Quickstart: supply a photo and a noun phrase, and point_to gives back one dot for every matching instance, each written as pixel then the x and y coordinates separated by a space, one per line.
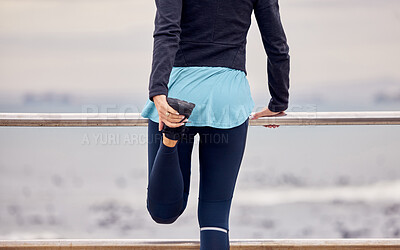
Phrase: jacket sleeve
pixel 275 45
pixel 166 43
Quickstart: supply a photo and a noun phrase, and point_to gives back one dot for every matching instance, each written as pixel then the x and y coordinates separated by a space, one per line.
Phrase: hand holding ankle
pixel 173 119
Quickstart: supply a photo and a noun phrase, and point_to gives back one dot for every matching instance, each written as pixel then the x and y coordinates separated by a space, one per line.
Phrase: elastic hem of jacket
pixel 277 108
pixel 154 93
pixel 179 64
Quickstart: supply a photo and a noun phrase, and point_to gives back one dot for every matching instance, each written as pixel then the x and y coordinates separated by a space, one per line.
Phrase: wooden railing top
pixel 276 244
pixel 135 119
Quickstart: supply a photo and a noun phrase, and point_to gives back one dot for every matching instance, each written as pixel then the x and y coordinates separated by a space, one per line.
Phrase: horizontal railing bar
pixel 134 119
pixel 276 244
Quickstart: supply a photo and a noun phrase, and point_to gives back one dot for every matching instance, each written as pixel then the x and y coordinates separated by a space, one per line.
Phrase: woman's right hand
pixel 265 112
pixel 173 119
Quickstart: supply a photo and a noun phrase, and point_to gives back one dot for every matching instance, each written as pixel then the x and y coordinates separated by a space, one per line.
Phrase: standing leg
pixel 185 148
pixel 220 153
pixel 167 179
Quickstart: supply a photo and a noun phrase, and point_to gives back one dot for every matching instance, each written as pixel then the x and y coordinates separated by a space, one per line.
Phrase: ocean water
pixel 294 182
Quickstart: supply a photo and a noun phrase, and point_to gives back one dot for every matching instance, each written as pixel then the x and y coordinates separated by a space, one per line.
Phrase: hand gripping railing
pixel 134 119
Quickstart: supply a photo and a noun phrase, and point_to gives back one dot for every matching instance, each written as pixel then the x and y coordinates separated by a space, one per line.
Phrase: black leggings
pixel 220 155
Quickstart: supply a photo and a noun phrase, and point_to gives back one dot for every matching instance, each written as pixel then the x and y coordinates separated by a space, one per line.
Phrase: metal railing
pixel 134 119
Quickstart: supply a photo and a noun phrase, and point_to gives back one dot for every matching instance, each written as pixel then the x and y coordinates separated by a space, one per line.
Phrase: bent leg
pixel 220 152
pixel 166 198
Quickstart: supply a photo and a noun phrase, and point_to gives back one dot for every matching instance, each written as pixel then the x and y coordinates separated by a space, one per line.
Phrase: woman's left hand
pixel 267 113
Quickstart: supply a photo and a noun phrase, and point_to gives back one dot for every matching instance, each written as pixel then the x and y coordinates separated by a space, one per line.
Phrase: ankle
pixel 168 142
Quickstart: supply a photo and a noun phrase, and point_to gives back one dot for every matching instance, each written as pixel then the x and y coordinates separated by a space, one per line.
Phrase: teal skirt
pixel 222 96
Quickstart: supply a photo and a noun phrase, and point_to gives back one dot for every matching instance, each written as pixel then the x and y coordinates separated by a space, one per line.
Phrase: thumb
pixel 160 126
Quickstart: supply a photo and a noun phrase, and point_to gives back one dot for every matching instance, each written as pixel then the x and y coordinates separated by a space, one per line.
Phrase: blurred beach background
pixel 295 181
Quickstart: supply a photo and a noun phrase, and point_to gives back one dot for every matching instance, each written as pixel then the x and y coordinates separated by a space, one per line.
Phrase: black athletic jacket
pixel 213 33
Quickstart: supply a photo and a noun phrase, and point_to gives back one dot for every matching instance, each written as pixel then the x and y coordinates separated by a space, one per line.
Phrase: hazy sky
pixel 104 47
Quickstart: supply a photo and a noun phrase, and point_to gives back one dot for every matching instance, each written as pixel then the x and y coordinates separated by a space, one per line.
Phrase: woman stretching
pixel 198 85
